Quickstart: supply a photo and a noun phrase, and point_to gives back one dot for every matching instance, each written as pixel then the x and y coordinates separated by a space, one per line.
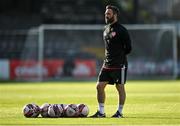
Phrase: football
pixel 31 110
pixel 44 109
pixel 55 110
pixel 63 107
pixel 71 110
pixel 83 110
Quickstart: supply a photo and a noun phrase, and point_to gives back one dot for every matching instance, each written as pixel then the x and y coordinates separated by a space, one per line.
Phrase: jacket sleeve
pixel 127 42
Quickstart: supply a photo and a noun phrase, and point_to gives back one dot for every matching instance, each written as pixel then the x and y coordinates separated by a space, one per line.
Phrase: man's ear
pixel 116 15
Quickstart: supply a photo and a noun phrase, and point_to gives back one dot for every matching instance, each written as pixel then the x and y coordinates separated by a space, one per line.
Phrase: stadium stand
pixel 12 44
pixel 16 22
pixel 70 11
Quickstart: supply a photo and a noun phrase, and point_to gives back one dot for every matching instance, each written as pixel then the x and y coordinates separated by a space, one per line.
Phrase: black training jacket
pixel 117 45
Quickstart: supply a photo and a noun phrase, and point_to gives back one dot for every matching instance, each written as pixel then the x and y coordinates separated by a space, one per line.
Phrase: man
pixel 114 69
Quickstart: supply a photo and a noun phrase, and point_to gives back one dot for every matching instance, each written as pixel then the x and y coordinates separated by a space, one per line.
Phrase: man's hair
pixel 114 9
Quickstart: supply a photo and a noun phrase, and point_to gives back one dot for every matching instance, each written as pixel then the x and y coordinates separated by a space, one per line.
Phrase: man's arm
pixel 127 42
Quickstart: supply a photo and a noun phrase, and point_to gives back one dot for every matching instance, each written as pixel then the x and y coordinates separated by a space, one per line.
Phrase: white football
pixel 55 110
pixel 44 109
pixel 63 107
pixel 83 110
pixel 31 110
pixel 71 110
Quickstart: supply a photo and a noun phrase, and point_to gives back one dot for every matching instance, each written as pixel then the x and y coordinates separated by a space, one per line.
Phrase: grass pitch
pixel 148 103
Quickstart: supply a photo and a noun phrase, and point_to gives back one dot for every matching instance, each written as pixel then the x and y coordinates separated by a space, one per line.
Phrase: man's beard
pixel 109 21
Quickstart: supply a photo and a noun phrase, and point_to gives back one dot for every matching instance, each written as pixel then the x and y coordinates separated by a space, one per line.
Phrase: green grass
pixel 148 102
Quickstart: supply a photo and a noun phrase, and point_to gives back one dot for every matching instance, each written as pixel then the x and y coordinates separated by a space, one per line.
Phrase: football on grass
pixel 63 107
pixel 31 110
pixel 44 109
pixel 55 110
pixel 71 110
pixel 83 110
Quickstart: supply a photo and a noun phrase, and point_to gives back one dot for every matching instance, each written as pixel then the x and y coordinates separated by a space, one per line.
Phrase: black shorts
pixel 113 76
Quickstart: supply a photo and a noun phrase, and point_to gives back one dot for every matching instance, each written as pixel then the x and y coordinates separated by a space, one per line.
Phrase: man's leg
pixel 101 95
pixel 122 96
pixel 101 100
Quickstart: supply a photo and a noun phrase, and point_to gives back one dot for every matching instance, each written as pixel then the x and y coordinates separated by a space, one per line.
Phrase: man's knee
pixel 120 87
pixel 100 86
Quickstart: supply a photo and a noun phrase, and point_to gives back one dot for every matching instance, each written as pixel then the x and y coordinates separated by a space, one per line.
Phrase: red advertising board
pixel 85 68
pixel 31 69
pixel 50 68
